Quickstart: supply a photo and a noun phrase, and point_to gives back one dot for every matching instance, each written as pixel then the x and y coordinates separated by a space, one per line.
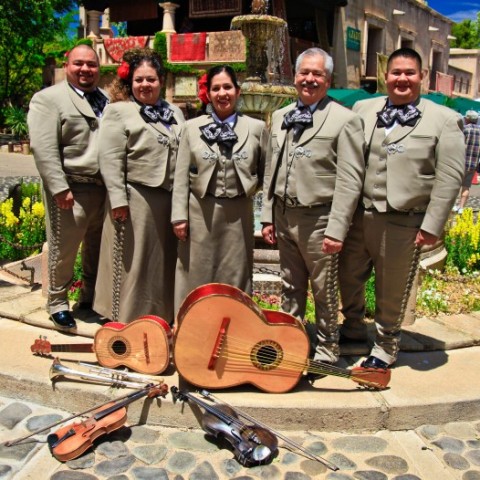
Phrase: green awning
pixel 348 96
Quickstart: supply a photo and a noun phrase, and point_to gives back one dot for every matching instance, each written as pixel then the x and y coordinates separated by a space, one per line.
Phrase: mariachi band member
pixel 138 146
pixel 220 166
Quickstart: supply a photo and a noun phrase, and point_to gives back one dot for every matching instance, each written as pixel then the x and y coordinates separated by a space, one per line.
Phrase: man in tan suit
pixel 63 122
pixel 415 164
pixel 313 180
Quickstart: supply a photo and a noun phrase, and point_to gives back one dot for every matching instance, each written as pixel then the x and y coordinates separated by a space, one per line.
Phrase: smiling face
pixel 82 69
pixel 403 80
pixel 311 79
pixel 146 84
pixel 223 94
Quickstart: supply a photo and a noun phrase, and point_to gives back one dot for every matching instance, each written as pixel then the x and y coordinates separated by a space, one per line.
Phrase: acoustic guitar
pixel 142 345
pixel 224 339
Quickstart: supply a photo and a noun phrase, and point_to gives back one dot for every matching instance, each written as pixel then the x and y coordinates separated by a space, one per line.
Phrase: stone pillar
pixel 82 16
pixel 169 17
pixel 94 23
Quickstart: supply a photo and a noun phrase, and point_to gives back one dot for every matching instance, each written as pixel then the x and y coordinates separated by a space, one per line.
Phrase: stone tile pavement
pixel 140 451
pixel 426 426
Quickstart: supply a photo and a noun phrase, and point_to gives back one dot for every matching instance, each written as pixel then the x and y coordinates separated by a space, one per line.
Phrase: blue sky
pixel 456 10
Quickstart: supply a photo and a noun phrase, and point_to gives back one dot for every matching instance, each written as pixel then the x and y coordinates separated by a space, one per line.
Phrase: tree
pixel 25 28
pixel 466 33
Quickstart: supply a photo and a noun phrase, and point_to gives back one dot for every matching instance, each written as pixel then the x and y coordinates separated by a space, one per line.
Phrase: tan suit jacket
pixel 331 168
pixel 63 136
pixel 425 163
pixel 197 159
pixel 132 150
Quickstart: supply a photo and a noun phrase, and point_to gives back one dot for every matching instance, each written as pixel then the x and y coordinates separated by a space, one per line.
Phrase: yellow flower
pixel 38 209
pixel 10 220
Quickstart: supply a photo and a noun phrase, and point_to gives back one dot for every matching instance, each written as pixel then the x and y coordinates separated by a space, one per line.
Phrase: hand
pixel 425 238
pixel 120 213
pixel 330 245
pixel 181 230
pixel 268 233
pixel 64 200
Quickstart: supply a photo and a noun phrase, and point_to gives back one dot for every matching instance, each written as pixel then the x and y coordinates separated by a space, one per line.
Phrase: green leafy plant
pixel 16 119
pixel 76 287
pixel 273 302
pixel 370 296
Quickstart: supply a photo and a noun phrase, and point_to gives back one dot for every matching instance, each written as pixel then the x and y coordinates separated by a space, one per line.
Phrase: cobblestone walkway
pixel 141 452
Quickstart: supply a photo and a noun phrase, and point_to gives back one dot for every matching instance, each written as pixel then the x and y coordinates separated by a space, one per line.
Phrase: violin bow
pixel 11 443
pixel 206 394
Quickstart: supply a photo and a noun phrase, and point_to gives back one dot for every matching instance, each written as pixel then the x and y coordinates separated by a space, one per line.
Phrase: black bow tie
pixel 300 118
pixel 97 101
pixel 219 133
pixel 403 114
pixel 158 113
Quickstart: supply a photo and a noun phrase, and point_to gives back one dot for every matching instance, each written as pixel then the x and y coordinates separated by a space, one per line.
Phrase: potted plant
pixel 16 120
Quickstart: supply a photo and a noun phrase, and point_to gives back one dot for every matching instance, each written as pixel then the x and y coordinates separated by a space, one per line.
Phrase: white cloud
pixel 464 15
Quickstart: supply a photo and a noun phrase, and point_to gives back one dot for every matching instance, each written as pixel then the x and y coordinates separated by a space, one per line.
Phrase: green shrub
pixel 16 119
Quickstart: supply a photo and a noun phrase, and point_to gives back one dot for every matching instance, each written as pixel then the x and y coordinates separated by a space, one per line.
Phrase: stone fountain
pixel 265 48
pixel 261 95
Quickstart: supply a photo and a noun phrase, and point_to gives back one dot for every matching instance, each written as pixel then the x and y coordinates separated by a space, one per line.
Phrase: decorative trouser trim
pixel 332 299
pixel 414 264
pixel 117 267
pixel 54 245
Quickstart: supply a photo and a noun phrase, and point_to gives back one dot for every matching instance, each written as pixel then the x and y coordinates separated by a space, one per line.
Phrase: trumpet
pixel 103 375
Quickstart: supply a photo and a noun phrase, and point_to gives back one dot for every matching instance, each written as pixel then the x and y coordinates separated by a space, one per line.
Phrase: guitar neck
pixel 73 347
pixel 367 377
pixel 326 369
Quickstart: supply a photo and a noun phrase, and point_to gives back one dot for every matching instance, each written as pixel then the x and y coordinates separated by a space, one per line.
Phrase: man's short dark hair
pixel 405 52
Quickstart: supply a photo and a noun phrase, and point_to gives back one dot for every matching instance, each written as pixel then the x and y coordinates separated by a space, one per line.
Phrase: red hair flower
pixel 123 70
pixel 203 89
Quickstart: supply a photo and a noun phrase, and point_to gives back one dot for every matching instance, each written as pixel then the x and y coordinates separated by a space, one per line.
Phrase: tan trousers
pixel 300 233
pixel 66 230
pixel 383 242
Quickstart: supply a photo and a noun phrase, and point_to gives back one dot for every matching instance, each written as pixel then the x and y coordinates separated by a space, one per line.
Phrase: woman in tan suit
pixel 220 166
pixel 138 145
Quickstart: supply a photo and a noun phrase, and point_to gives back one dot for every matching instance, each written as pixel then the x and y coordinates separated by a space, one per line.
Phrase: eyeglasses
pixel 317 74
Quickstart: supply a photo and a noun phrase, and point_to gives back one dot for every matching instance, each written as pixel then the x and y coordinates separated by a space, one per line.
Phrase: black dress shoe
pixel 374 362
pixel 85 306
pixel 63 320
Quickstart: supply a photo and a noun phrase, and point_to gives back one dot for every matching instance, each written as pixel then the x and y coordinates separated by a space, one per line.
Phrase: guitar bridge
pixel 218 343
pixel 145 347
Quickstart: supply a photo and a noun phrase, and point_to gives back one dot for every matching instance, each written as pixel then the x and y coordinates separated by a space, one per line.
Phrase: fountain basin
pixel 260 27
pixel 263 97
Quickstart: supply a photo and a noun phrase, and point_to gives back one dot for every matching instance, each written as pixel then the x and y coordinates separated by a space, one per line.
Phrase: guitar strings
pixel 288 362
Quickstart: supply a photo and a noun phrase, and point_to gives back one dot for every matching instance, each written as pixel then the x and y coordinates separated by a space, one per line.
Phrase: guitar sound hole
pixel 119 348
pixel 266 355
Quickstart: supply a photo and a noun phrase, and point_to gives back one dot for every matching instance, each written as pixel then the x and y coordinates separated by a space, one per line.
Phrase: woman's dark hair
pixel 121 89
pixel 219 69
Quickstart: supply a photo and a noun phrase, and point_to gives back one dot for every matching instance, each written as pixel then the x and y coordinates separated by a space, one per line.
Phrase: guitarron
pixel 224 339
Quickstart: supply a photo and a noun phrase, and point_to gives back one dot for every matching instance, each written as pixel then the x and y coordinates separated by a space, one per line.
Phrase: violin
pixel 72 440
pixel 252 445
